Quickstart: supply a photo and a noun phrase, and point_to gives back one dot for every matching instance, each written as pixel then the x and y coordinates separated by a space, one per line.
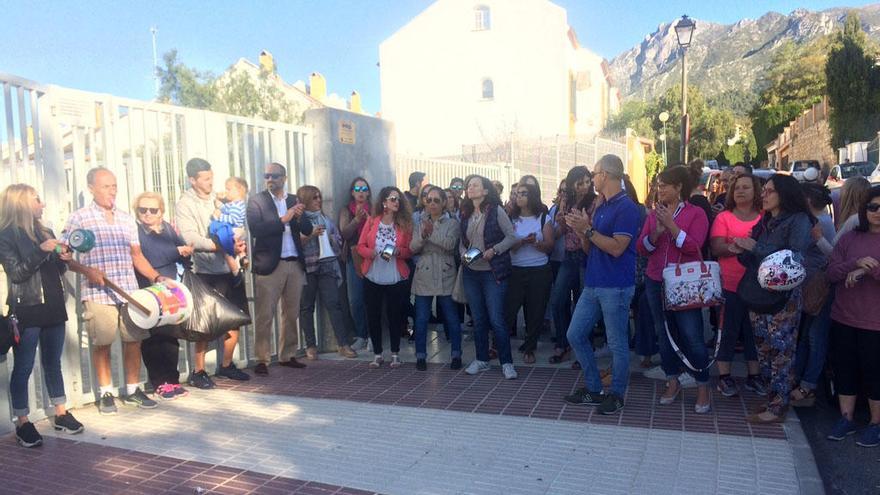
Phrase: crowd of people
pixel 580 269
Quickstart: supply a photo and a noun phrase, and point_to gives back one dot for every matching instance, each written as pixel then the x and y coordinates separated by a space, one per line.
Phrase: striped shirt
pixel 233 213
pixel 112 251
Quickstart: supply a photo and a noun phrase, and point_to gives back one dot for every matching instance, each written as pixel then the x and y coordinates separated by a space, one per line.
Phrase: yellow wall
pixel 635 164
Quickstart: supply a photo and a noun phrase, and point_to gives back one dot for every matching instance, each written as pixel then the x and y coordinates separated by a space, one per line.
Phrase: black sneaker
pixel 611 404
pixel 68 424
pixel 140 399
pixel 455 364
pixel 28 436
pixel 233 373
pixel 727 386
pixel 583 397
pixel 756 384
pixel 261 369
pixel 106 404
pixel 421 364
pixel 200 379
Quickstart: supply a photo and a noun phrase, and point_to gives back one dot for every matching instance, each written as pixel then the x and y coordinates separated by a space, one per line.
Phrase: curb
pixel 809 480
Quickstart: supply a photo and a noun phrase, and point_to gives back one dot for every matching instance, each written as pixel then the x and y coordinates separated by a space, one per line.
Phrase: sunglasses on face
pixel 151 211
pixel 360 189
pixel 393 199
pixel 317 196
pixel 434 200
pixel 456 187
pixel 873 207
pixel 273 176
pixel 522 194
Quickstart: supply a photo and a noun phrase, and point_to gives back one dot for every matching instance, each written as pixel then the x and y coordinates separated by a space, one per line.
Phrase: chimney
pixel 267 62
pixel 318 87
pixel 355 104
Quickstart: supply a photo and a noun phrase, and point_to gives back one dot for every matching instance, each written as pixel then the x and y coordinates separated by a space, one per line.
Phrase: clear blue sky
pixel 106 46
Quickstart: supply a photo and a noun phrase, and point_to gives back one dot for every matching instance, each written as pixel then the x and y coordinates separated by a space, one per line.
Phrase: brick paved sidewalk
pixel 397 432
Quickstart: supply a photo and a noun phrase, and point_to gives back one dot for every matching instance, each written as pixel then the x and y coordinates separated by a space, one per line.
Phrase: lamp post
pixel 684 31
pixel 664 116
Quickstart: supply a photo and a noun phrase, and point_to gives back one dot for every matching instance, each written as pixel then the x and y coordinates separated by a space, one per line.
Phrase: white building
pixel 476 71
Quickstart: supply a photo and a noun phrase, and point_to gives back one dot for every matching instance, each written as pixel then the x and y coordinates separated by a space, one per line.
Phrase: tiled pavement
pixel 537 393
pixel 338 424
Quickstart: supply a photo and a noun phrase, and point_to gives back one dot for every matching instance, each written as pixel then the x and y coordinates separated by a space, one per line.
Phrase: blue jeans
pixel 485 296
pixel 568 281
pixel 809 358
pixel 355 287
pixel 51 340
pixel 645 340
pixel 446 307
pixel 612 305
pixel 686 327
pixel 736 325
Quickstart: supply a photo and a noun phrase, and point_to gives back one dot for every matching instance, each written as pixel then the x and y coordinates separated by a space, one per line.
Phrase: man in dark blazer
pixel 275 221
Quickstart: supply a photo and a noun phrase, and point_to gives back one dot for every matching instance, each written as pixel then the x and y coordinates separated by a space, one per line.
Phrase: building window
pixel 482 21
pixel 488 89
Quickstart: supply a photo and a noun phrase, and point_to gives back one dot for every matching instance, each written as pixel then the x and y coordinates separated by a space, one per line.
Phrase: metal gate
pixel 51 136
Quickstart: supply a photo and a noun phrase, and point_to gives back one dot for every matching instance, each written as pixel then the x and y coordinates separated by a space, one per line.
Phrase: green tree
pixel 710 127
pixel 636 115
pixel 653 164
pixel 234 92
pixel 852 86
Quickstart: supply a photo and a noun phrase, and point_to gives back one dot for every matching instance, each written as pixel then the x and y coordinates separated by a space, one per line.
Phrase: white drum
pixel 169 302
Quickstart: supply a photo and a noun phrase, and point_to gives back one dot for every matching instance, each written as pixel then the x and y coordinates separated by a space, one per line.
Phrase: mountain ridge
pixel 726 57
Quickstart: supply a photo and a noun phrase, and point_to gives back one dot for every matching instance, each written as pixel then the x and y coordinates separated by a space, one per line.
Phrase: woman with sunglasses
pixel 434 241
pixel 855 314
pixel 674 232
pixel 486 227
pixel 531 275
pixel 323 272
pixel 34 261
pixel 786 224
pixel 578 195
pixel 384 245
pixel 164 249
pixel 351 221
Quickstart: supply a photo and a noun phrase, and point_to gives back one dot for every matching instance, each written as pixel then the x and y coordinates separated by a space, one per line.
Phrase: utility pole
pixel 155 71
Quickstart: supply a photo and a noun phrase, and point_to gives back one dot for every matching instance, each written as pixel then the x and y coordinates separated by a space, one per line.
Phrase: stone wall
pixel 813 143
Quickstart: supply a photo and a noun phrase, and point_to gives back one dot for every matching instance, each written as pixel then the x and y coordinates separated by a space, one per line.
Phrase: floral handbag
pixel 696 284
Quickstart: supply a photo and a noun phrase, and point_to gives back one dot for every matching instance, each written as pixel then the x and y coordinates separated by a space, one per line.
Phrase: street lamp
pixel 684 31
pixel 664 116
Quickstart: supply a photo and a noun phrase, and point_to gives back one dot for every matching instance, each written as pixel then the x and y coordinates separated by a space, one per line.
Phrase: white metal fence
pixel 51 136
pixel 440 172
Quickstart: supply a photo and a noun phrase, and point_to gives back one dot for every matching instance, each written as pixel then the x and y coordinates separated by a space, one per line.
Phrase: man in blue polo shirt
pixel 609 282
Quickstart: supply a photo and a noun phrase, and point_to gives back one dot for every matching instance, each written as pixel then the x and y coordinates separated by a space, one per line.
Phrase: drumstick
pixel 140 307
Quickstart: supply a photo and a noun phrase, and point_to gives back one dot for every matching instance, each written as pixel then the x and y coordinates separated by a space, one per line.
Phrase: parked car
pixel 763 173
pixel 798 167
pixel 840 172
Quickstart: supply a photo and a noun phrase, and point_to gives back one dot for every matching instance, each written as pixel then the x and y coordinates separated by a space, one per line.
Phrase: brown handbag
pixel 816 291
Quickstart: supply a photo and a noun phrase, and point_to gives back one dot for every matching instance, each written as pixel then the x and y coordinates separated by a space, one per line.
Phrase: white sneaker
pixel 687 380
pixel 359 344
pixel 377 361
pixel 509 371
pixel 655 373
pixel 477 366
pixel 395 361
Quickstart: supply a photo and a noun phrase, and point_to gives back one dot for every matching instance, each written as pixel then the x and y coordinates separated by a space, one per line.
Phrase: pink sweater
pixel 857 306
pixel 694 228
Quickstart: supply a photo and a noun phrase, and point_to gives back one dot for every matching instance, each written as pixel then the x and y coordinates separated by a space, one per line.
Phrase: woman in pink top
pixel 674 233
pixel 741 212
pixel 855 314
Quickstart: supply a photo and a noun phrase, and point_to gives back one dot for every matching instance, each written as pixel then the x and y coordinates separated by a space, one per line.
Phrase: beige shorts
pixel 103 322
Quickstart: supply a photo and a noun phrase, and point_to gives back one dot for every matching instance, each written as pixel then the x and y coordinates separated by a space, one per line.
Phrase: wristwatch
pixel 589 233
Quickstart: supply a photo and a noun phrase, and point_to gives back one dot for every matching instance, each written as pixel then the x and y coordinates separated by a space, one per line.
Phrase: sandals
pixel 765 418
pixel 560 356
pixel 801 397
pixel 666 400
pixel 529 357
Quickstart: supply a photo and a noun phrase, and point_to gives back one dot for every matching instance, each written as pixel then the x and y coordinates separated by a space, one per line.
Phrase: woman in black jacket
pixel 164 249
pixel 34 261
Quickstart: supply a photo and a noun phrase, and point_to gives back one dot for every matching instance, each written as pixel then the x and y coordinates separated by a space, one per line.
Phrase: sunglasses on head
pixel 270 176
pixel 873 207
pixel 393 199
pixel 360 189
pixel 434 200
pixel 144 211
